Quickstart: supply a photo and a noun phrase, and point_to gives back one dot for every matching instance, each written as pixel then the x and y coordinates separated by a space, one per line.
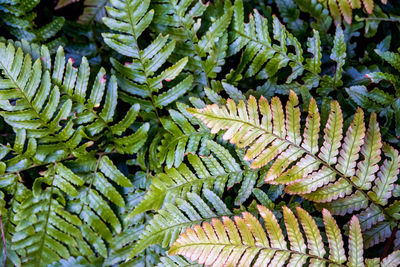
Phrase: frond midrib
pixel 185 225
pixel 39 253
pixel 141 62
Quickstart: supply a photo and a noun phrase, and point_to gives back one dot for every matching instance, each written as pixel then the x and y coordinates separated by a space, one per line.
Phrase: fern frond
pixel 142 77
pixel 206 50
pixel 57 233
pixel 336 180
pixel 265 55
pixel 213 172
pixel 93 202
pixel 173 219
pixel 89 203
pixel 345 8
pixel 243 241
pixel 30 86
pixel 379 99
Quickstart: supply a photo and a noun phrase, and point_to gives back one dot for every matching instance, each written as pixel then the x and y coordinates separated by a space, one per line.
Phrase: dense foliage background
pixel 106 155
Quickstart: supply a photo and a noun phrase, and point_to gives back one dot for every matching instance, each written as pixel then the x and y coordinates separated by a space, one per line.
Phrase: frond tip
pixel 243 241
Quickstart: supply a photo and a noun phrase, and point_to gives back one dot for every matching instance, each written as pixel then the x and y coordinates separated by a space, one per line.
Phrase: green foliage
pixel 56 121
pixel 17 15
pixel 152 133
pixel 137 78
pixel 378 100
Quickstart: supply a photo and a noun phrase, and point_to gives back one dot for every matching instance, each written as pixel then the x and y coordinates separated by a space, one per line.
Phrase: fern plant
pixel 243 241
pixel 140 142
pixel 344 182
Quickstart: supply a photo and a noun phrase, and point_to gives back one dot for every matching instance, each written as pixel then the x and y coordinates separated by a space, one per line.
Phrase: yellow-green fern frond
pixel 244 242
pixel 342 174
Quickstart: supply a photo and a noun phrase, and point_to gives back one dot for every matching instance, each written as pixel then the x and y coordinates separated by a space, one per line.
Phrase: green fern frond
pixel 93 203
pixel 265 55
pixel 342 182
pixel 25 89
pixel 85 218
pixel 142 77
pixel 37 101
pixel 173 219
pixel 56 230
pixel 206 50
pixel 243 241
pixel 213 172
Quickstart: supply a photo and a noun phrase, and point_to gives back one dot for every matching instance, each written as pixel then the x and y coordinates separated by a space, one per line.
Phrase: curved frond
pixel 338 181
pixel 54 106
pixel 243 241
